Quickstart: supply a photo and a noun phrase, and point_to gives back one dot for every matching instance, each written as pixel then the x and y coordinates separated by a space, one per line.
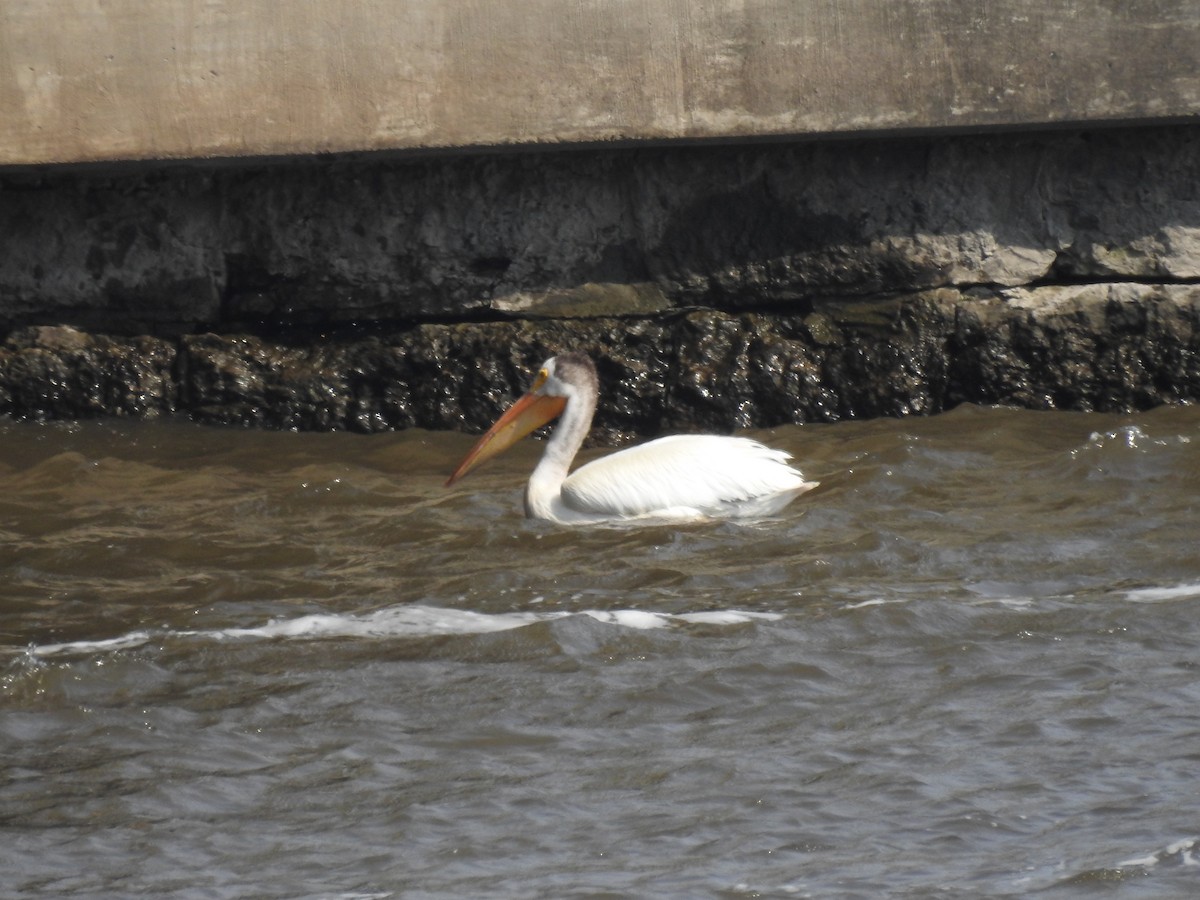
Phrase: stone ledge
pixel 330 244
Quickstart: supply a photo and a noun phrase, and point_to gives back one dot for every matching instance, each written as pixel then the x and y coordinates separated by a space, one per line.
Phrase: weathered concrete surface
pixel 1109 347
pixel 619 232
pixel 153 79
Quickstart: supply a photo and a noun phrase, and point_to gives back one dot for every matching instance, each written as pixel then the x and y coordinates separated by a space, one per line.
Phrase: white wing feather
pixel 706 474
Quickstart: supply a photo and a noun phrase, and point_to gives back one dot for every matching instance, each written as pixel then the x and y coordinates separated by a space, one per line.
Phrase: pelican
pixel 684 476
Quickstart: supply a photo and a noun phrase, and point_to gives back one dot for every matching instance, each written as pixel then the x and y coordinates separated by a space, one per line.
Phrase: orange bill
pixel 530 412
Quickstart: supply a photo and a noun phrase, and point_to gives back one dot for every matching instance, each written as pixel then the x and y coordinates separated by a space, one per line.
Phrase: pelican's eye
pixel 540 379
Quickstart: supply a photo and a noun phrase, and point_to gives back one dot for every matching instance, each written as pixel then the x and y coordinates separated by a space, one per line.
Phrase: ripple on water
pixel 237 663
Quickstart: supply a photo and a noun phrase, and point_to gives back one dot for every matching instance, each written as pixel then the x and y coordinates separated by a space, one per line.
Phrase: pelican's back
pixel 706 474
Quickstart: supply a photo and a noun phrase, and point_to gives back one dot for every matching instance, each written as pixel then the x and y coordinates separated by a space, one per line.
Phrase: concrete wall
pixel 326 243
pixel 88 80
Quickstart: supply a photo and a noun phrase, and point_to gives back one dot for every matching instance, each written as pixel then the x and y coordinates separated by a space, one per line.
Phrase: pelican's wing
pixel 705 474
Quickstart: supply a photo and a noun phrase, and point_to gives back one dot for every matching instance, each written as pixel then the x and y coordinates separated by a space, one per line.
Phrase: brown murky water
pixel 245 664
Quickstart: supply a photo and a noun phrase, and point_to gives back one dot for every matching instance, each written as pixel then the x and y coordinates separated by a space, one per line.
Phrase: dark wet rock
pixel 63 373
pixel 247 381
pixel 1106 347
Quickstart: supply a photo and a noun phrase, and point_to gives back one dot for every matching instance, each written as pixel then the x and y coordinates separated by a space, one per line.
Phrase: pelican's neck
pixel 545 484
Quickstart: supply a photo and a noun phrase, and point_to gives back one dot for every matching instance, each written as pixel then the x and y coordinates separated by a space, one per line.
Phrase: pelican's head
pixel 568 375
pixel 560 380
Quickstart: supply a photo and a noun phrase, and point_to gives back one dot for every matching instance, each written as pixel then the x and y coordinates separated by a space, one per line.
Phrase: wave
pixel 1163 594
pixel 414 621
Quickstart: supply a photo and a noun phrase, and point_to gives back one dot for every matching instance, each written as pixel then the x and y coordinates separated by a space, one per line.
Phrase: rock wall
pixel 721 286
pixel 1104 347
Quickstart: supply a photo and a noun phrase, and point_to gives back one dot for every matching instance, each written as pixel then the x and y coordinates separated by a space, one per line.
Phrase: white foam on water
pixel 1019 604
pixel 1163 594
pixel 1141 861
pixel 1131 436
pixel 727 617
pixel 1182 852
pixel 636 618
pixel 629 618
pixel 396 621
pixel 124 642
pixel 403 622
pixel 878 601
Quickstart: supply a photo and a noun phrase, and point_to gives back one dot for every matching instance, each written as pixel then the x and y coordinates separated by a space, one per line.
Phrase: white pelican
pixel 679 477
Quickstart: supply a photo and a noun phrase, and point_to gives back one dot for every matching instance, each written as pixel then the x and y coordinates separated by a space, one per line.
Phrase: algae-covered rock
pixel 1086 347
pixel 1102 346
pixel 63 373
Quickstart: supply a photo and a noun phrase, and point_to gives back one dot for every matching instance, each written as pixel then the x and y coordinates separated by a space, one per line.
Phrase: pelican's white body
pixel 680 477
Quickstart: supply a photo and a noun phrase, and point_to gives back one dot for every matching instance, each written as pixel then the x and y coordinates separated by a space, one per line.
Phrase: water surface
pixel 249 664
